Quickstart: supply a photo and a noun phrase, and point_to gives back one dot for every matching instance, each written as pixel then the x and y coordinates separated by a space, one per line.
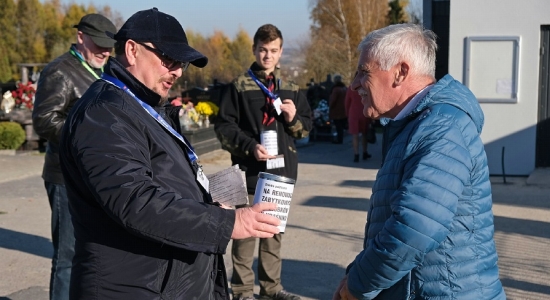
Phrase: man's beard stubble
pixel 163 100
pixel 92 63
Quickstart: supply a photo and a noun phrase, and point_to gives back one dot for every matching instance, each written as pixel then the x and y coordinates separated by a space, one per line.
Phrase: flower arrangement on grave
pixel 206 108
pixel 24 95
pixel 8 103
pixel 196 115
pixel 193 115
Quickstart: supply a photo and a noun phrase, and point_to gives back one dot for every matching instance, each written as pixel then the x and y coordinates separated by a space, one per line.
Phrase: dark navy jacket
pixel 144 228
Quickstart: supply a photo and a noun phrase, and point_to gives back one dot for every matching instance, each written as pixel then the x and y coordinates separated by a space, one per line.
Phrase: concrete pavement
pixel 323 235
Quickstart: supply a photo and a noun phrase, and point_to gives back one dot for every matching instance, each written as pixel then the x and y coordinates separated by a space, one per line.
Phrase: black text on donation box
pixel 275 189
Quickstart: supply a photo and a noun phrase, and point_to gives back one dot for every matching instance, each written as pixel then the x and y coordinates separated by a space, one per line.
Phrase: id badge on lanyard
pixel 203 180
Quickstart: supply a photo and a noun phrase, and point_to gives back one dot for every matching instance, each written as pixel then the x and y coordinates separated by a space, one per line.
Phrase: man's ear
pixel 80 37
pixel 130 49
pixel 401 73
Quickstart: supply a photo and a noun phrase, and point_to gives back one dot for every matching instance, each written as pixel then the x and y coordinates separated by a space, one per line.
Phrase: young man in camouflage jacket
pixel 256 102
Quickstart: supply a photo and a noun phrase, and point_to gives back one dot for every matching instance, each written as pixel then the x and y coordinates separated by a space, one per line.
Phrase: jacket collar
pixel 448 91
pixel 117 70
pixel 260 73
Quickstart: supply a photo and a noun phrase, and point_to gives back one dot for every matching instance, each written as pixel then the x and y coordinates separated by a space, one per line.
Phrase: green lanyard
pixel 84 63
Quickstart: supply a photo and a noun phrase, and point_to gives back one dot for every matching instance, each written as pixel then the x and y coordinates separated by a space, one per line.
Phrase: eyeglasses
pixel 166 60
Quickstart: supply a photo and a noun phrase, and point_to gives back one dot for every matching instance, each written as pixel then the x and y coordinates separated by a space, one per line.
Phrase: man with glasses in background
pixel 145 224
pixel 62 83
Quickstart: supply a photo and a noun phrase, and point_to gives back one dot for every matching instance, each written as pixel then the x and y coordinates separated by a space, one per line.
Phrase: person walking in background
pixel 145 223
pixel 248 110
pixel 337 108
pixel 314 93
pixel 429 233
pixel 61 84
pixel 358 124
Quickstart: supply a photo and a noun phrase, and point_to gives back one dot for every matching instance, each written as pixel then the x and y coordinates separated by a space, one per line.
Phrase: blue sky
pixel 206 16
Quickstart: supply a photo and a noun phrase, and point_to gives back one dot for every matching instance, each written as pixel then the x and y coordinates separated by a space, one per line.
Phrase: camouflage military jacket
pixel 239 123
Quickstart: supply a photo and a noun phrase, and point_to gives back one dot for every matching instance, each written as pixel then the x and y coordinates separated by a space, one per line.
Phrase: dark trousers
pixel 340 124
pixel 62 240
pixel 269 265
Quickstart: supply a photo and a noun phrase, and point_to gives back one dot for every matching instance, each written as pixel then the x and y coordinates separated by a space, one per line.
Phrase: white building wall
pixel 509 125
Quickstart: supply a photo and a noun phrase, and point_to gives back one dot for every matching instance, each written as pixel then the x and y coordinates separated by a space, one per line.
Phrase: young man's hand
pixel 260 153
pixel 289 110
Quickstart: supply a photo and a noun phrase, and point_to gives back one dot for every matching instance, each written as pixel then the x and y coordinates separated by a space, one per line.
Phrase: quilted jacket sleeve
pixel 437 166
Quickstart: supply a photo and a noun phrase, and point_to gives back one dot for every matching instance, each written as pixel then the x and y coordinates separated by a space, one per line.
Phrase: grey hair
pixel 402 42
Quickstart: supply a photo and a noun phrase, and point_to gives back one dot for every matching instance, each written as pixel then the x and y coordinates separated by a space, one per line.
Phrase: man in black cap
pixel 145 223
pixel 61 84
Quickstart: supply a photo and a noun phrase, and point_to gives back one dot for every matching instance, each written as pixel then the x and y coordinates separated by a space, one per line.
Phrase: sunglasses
pixel 166 60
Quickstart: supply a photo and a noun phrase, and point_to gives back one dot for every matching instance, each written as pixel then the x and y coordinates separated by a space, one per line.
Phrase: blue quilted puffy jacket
pixel 429 233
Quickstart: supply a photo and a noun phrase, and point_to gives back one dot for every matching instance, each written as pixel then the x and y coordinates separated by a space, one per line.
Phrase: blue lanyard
pixel 262 86
pixel 188 148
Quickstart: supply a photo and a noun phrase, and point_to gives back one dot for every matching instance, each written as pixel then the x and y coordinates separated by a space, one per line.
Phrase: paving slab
pixel 324 232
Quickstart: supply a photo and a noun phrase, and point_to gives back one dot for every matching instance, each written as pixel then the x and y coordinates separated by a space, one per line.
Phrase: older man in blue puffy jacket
pixel 429 233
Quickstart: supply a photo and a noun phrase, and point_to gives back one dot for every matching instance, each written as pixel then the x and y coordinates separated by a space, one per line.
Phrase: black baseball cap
pixel 163 31
pixel 95 26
